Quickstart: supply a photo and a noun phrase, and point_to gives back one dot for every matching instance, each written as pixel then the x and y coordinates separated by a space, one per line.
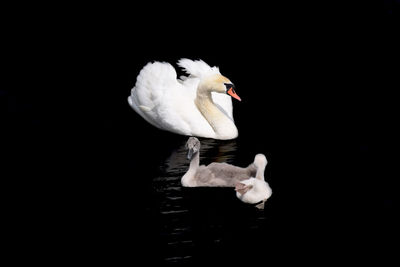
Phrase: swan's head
pixel 193 146
pixel 210 77
pixel 253 191
pixel 220 84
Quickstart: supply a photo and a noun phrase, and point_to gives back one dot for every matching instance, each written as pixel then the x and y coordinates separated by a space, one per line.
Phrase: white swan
pixel 215 174
pixel 197 105
pixel 255 190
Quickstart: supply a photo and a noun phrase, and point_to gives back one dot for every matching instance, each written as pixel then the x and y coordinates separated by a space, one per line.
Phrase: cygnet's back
pixel 223 174
pixel 226 174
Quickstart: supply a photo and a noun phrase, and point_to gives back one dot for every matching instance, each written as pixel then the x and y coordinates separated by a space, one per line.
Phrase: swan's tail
pixel 140 109
pixel 151 84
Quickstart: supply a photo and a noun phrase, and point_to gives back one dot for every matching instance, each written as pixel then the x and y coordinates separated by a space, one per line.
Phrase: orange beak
pixel 233 94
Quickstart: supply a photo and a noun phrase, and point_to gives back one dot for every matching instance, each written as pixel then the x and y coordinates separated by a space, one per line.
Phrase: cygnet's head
pixel 220 84
pixel 193 146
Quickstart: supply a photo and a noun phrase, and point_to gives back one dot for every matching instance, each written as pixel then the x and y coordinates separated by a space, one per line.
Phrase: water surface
pixel 199 223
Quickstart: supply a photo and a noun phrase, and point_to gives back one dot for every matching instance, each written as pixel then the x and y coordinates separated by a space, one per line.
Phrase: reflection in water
pixel 181 214
pixel 211 151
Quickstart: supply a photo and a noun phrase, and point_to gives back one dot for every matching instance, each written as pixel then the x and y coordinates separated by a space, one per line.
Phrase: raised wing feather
pixel 167 103
pixel 197 68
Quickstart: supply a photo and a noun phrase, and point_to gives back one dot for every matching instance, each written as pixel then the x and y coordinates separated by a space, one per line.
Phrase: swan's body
pixel 215 174
pixel 196 105
pixel 255 190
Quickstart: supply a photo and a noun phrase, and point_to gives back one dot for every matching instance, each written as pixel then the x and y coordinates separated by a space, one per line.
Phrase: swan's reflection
pixel 211 151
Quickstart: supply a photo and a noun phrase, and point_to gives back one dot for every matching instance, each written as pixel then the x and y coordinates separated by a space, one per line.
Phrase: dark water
pixel 194 221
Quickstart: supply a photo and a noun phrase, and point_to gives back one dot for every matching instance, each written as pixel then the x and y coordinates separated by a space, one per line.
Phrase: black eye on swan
pixel 229 86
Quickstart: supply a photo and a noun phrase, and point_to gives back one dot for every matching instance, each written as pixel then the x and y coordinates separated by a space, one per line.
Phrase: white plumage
pixel 197 68
pixel 254 190
pixel 169 104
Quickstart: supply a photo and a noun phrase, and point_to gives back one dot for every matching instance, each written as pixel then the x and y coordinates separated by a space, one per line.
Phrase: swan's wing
pixel 165 102
pixel 197 68
pixel 149 90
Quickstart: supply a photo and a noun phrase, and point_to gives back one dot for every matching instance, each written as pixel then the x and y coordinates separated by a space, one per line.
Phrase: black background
pixel 309 77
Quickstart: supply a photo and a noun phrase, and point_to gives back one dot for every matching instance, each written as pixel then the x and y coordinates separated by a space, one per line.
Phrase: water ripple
pixel 173 212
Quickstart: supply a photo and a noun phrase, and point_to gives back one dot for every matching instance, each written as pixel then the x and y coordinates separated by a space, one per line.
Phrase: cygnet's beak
pixel 190 154
pixel 231 91
pixel 242 188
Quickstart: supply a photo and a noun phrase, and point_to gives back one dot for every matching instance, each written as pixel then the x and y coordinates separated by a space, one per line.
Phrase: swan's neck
pixel 222 125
